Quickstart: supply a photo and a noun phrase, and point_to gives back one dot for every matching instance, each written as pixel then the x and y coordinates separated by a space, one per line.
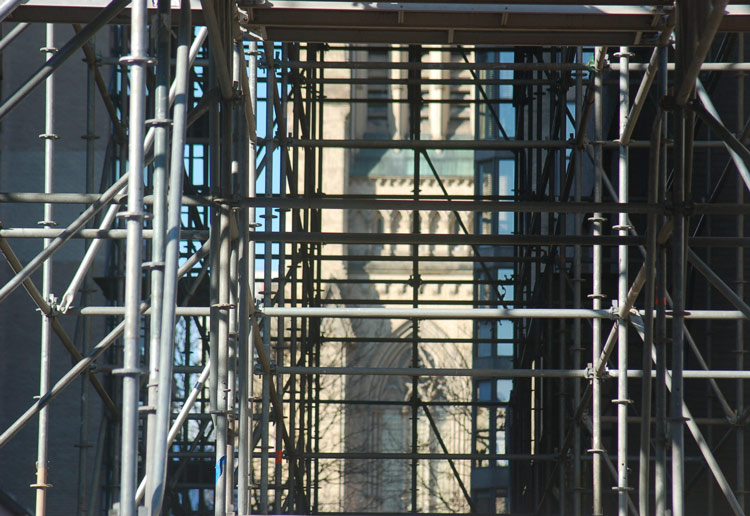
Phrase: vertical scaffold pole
pixel 415 120
pixel 683 57
pixel 85 334
pixel 622 294
pixel 158 470
pixel 267 271
pixel 226 462
pixel 596 297
pixel 41 485
pixel 660 328
pixel 577 342
pixel 214 164
pixel 740 436
pixel 132 331
pixel 247 279
pixel 159 213
pixel 281 266
pixel 224 442
pixel 646 384
pixel 563 340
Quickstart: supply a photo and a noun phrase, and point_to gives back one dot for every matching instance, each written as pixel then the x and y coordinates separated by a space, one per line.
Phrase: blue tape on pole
pixel 220 467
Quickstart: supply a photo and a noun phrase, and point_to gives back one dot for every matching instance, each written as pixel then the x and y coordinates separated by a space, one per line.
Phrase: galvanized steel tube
pixel 49 137
pixel 12 35
pixel 622 400
pixel 679 258
pixel 247 279
pixel 158 224
pixel 577 302
pixel 596 296
pixel 660 391
pixel 267 271
pixel 132 338
pixel 646 391
pixel 163 404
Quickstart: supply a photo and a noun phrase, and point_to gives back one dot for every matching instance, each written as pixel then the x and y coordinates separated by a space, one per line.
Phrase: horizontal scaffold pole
pixel 697 374
pixel 384 238
pixel 510 145
pixel 384 203
pixel 422 313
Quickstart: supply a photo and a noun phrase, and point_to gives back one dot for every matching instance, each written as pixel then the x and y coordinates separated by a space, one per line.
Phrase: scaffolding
pixel 562 184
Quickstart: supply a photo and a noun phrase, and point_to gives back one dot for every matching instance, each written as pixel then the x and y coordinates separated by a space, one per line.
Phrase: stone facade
pixel 376 418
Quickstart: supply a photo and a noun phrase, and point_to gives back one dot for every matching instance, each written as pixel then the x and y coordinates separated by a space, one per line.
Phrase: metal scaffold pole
pixel 42 484
pixel 157 470
pixel 246 145
pixel 157 347
pixel 86 328
pixel 130 371
pixel 221 174
pixel 267 271
pixel 686 32
pixel 660 330
pixel 415 120
pixel 644 463
pixel 596 297
pixel 740 290
pixel 577 303
pixel 622 400
pixel 281 285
